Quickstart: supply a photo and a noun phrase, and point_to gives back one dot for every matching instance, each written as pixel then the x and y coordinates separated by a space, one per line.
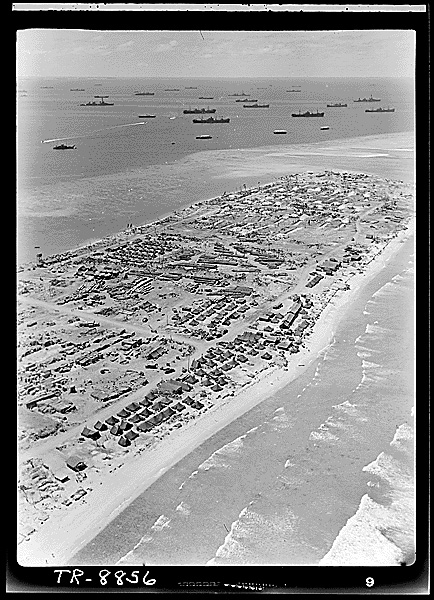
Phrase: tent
pixel 75 463
pixel 116 430
pixel 124 441
pixel 112 421
pixel 145 426
pixel 123 413
pixel 131 435
pixel 100 426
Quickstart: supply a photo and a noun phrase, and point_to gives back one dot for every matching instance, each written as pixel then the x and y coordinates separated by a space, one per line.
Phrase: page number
pixel 369 582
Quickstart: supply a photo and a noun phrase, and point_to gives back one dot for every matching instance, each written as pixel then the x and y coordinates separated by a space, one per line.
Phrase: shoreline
pixel 81 524
pixel 273 178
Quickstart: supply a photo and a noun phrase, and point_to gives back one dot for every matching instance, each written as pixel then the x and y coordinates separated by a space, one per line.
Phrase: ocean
pixel 320 473
pixel 131 170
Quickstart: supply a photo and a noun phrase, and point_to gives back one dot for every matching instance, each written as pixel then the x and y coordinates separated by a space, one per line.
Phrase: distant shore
pixel 65 533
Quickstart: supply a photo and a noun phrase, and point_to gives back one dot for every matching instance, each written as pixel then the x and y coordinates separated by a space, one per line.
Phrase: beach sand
pixel 66 532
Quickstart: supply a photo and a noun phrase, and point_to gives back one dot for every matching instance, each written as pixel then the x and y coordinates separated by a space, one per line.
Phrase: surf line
pixel 75 137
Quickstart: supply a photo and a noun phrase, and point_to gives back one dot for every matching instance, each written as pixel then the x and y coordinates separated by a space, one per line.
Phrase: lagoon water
pixel 319 473
pixel 131 170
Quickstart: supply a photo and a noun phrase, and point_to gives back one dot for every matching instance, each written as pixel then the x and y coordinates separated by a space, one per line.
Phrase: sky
pixel 91 53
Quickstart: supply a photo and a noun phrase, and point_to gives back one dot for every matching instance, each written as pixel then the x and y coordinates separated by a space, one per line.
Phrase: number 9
pixel 369 582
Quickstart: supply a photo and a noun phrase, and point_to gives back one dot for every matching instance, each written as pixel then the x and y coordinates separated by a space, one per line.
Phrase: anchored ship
pixel 206 97
pixel 64 147
pixel 211 120
pixel 198 111
pixel 204 137
pixel 308 114
pixel 147 116
pixel 100 103
pixel 370 99
pixel 337 105
pixel 242 94
pixel 256 106
pixel 379 110
pixel 144 93
pixel 280 131
pixel 245 100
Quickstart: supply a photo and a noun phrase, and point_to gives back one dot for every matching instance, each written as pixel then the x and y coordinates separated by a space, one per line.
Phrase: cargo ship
pixel 238 95
pixel 172 90
pixel 370 99
pixel 199 111
pixel 245 100
pixel 77 90
pixel 256 106
pixel 337 105
pixel 206 97
pixel 324 128
pixel 211 120
pixel 280 131
pixel 64 147
pixel 147 116
pixel 293 90
pixel 100 103
pixel 204 137
pixel 144 93
pixel 308 114
pixel 379 110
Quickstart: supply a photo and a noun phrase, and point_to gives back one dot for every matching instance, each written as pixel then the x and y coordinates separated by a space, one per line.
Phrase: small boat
pixel 147 116
pixel 204 137
pixel 64 147
pixel 326 127
pixel 280 131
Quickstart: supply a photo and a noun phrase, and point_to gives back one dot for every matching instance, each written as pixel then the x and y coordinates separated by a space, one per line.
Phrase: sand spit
pixel 65 532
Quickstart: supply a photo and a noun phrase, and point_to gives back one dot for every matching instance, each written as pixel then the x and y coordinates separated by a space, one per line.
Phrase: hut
pixel 112 421
pixel 188 400
pixel 133 407
pixel 145 413
pixel 145 402
pixel 136 418
pixel 197 405
pixel 123 441
pixel 179 407
pixel 157 406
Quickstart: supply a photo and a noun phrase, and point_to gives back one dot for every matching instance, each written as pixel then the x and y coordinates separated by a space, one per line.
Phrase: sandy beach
pixel 65 532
